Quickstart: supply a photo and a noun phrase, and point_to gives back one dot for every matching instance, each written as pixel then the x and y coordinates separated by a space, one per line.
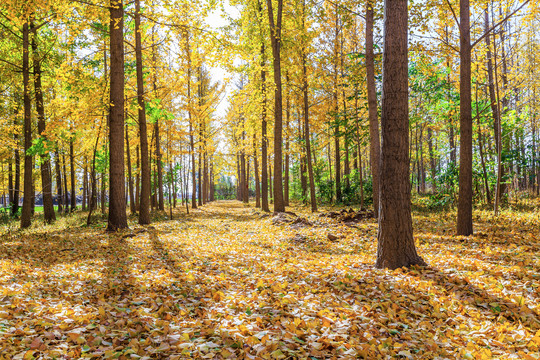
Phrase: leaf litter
pixel 225 282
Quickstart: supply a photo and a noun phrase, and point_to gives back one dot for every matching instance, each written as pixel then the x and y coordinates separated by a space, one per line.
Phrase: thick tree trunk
pixel 275 36
pixel 26 216
pixel 117 219
pixel 375 146
pixel 46 181
pixel 464 219
pixel 395 237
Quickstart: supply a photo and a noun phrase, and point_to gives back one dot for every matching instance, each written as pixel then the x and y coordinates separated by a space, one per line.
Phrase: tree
pixel 117 195
pixel 26 215
pixel 464 220
pixel 144 202
pixel 275 37
pixel 396 246
pixel 46 179
pixel 375 146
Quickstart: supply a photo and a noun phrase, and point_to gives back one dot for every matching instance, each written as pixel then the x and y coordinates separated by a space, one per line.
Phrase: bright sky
pixel 216 20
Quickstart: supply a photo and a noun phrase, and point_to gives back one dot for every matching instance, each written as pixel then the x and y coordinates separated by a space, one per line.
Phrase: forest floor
pixel 226 282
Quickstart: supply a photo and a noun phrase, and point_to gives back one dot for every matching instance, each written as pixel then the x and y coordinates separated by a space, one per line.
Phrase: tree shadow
pixel 487 304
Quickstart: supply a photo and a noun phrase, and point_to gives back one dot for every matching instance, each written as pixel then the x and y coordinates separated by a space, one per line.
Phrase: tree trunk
pixel 264 139
pixel 130 176
pixel 103 194
pixel 375 146
pixel 270 181
pixel 26 216
pixel 17 187
pixel 395 237
pixel 256 170
pixel 59 190
pixel 85 185
pixel 144 199
pixel 138 179
pixel 464 218
pixel 67 196
pixel 432 164
pixel 117 219
pixel 73 204
pixel 312 195
pixel 275 36
pixel 46 181
pixel 287 144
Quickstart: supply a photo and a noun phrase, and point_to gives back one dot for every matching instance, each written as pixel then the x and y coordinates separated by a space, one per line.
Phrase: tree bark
pixel 264 139
pixel 46 181
pixel 144 199
pixel 375 146
pixel 26 216
pixel 464 218
pixel 117 219
pixel 312 195
pixel 59 190
pixel 396 246
pixel 73 202
pixel 67 194
pixel 256 170
pixel 275 37
pixel 131 190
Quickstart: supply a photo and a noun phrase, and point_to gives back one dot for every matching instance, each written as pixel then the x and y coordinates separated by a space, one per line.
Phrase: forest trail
pixel 226 282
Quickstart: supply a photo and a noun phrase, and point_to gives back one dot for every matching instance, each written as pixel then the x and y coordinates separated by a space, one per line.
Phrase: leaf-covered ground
pixel 225 282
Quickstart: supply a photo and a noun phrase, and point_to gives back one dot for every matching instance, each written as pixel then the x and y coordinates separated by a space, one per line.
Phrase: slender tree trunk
pixel 396 246
pixel 117 219
pixel 359 151
pixel 85 185
pixel 256 170
pixel 275 36
pixel 68 195
pixel 145 190
pixel 302 161
pixel 270 181
pixel 264 139
pixel 46 181
pixel 375 146
pixel 433 168
pixel 73 203
pixel 307 135
pixel 17 187
pixel 336 110
pixel 26 216
pixel 130 176
pixel 103 195
pixel 138 179
pixel 287 143
pixel 59 190
pixel 464 220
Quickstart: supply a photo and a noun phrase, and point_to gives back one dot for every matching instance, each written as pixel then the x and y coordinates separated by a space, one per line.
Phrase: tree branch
pixel 499 24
